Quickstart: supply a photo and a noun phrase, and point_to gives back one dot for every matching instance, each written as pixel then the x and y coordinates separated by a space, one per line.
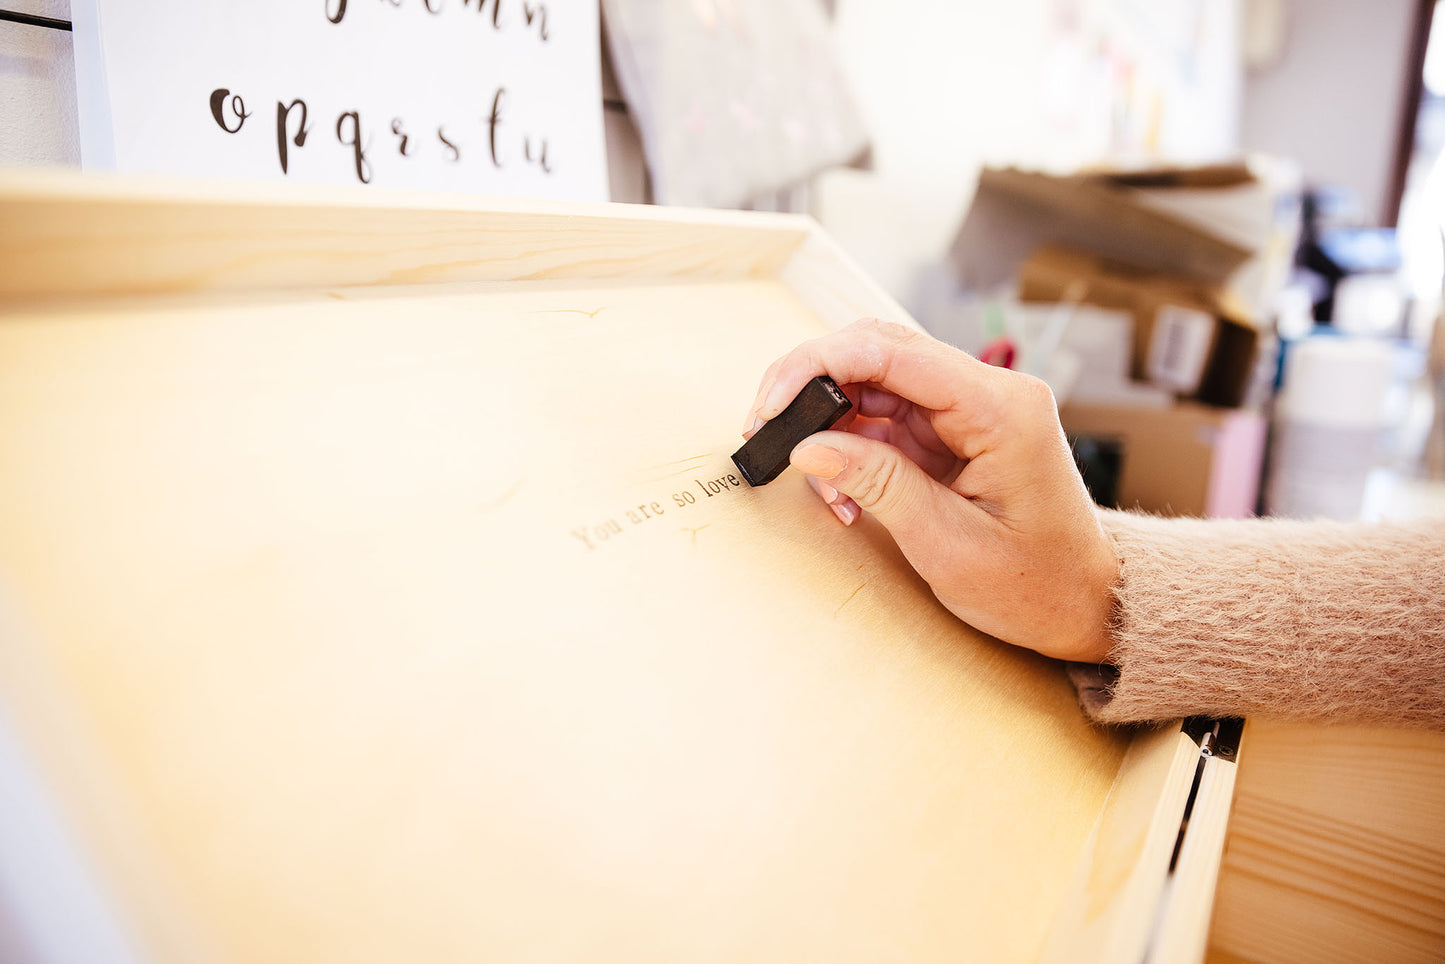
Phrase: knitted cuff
pixel 1273 617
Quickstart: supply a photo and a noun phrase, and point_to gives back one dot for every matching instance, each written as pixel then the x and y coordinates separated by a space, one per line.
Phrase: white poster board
pixel 477 96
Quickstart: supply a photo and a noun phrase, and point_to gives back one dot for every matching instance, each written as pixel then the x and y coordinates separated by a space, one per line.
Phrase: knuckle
pixel 899 334
pixel 873 343
pixel 800 362
pixel 889 330
pixel 877 480
pixel 1034 392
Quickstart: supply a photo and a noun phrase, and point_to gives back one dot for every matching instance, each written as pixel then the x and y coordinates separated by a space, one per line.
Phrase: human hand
pixel 967 467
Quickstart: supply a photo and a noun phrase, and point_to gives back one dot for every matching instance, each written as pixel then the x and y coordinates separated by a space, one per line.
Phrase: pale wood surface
pixel 1336 848
pixel 1181 934
pixel 114 236
pixel 1126 902
pixel 1120 877
pixel 826 279
pixel 298 626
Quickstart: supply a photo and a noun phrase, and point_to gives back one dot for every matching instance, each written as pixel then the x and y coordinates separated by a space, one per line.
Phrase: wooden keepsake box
pixel 375 586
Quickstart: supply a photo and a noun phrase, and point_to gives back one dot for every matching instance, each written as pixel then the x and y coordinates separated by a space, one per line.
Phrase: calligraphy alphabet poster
pixel 478 96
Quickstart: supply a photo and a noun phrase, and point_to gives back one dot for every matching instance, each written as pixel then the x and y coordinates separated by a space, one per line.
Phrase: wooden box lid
pixel 373 587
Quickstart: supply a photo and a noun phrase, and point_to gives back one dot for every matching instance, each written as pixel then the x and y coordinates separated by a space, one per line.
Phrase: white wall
pixel 945 86
pixel 941 92
pixel 949 85
pixel 37 89
pixel 1332 98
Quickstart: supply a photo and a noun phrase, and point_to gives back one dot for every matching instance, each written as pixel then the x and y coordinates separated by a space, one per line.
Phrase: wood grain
pixel 373 588
pixel 1336 849
pixel 1120 878
pixel 60 236
pixel 303 631
pixel 1181 931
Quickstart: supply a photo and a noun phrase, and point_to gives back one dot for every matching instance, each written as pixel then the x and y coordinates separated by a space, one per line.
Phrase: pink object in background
pixel 1000 353
pixel 1239 457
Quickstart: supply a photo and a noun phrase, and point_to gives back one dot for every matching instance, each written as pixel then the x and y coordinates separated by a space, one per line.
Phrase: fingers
pixel 912 436
pixel 907 363
pixel 843 507
pixel 880 479
pixel 753 422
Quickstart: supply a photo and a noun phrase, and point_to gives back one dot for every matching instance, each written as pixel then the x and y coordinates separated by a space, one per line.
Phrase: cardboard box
pixel 1188 459
pixel 1203 238
pixel 1200 225
pixel 1185 339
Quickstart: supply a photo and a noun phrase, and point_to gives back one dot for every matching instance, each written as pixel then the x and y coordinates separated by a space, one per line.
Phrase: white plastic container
pixel 1331 424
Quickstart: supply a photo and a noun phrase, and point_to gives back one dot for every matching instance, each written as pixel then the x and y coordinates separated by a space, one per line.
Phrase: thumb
pixel 881 479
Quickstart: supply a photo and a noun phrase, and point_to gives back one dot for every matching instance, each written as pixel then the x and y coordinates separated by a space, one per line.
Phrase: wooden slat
pixel 1182 932
pixel 829 282
pixel 1119 880
pixel 66 237
pixel 300 629
pixel 1336 849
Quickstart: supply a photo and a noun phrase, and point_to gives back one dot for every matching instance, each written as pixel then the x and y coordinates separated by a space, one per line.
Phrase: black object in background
pixel 31 20
pixel 1333 253
pixel 1100 461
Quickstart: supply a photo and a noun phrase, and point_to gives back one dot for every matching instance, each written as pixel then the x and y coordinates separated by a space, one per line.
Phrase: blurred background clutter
pixel 1213 226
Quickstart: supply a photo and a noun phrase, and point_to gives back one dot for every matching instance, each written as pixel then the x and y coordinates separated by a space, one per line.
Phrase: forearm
pixel 1268 617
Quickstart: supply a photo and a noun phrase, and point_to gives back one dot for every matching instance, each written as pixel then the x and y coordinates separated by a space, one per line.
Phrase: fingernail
pixel 847 513
pixel 751 424
pixel 812 458
pixel 825 491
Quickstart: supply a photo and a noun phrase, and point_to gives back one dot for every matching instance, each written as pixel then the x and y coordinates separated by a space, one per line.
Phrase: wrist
pixel 1100 604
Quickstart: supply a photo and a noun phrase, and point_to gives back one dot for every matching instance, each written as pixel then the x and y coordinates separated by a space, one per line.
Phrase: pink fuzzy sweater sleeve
pixel 1273 617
